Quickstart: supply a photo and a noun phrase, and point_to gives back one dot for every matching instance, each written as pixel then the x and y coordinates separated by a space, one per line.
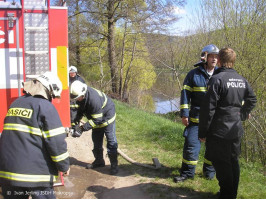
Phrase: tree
pixel 149 15
pixel 240 24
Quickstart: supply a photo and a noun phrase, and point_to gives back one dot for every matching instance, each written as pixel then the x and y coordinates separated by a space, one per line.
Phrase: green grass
pixel 143 136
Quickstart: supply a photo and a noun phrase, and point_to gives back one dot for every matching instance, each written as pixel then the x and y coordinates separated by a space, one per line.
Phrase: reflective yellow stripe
pixel 72 124
pixel 199 89
pixel 92 123
pixel 102 95
pixel 54 132
pixel 195 120
pixel 97 115
pixel 105 100
pixel 189 162
pixel 207 161
pixel 186 87
pixel 23 128
pixel 106 123
pixel 74 106
pixel 26 177
pixel 183 106
pixel 60 157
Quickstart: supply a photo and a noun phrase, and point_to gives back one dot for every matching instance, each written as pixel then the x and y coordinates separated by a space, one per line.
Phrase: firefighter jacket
pixel 229 100
pixel 73 105
pixel 98 108
pixel 32 145
pixel 194 89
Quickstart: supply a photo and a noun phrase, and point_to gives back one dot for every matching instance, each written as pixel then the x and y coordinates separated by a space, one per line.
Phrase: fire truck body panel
pixel 31 42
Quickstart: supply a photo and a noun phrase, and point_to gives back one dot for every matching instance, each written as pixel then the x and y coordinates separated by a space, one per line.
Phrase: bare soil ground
pixel 96 183
pixel 85 183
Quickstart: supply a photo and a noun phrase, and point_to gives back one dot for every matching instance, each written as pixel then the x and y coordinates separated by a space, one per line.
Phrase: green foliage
pixel 143 135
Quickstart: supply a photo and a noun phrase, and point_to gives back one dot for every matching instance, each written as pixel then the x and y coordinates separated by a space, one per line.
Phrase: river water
pixel 164 106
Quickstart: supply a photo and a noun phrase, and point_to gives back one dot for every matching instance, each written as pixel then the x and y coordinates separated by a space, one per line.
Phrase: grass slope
pixel 142 136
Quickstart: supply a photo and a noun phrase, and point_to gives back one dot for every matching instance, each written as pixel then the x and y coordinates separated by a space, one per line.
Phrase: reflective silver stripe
pixel 26 177
pixel 195 120
pixel 190 162
pixel 23 128
pixel 97 115
pixel 207 161
pixel 186 87
pixel 60 157
pixel 199 89
pixel 106 123
pixel 54 132
pixel 183 106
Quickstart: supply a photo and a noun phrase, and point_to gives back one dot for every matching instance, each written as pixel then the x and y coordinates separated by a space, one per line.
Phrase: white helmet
pixel 73 69
pixel 77 89
pixel 52 83
pixel 209 49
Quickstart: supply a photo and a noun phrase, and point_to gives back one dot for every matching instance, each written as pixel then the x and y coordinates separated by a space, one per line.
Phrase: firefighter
pixel 73 76
pixel 228 101
pixel 194 89
pixel 99 109
pixel 33 149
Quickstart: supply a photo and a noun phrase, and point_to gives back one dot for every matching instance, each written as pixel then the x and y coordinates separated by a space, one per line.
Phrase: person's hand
pixel 78 130
pixel 66 173
pixel 185 121
pixel 202 139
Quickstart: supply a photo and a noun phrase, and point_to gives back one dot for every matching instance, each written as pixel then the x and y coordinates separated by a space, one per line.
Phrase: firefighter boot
pixel 114 163
pixel 99 161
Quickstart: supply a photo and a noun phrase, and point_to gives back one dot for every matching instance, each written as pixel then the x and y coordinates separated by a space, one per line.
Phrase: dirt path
pixel 96 184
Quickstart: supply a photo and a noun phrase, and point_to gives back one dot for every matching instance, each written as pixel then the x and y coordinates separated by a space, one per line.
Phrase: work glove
pixel 78 130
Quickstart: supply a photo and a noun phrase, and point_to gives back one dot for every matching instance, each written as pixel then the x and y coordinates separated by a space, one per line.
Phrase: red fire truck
pixel 33 40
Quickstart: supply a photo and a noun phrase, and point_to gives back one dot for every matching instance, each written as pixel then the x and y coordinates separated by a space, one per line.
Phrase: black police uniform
pixel 32 148
pixel 228 101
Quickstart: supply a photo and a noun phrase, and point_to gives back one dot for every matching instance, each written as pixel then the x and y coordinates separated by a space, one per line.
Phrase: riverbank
pixel 144 135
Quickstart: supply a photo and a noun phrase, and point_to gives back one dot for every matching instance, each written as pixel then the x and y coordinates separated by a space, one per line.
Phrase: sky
pixel 186 14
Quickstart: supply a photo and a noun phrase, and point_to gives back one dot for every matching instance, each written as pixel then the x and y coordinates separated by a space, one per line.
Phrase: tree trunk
pixel 111 46
pixel 77 33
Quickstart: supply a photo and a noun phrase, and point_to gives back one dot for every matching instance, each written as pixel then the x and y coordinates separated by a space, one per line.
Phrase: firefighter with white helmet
pixel 194 89
pixel 33 149
pixel 73 76
pixel 99 109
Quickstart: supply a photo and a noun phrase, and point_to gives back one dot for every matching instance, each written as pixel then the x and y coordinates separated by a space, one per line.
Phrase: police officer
pixel 73 76
pixel 100 112
pixel 194 89
pixel 32 146
pixel 228 101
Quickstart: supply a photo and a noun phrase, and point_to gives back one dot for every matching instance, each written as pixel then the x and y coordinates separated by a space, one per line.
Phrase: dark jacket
pixel 98 108
pixel 32 145
pixel 229 100
pixel 76 78
pixel 194 89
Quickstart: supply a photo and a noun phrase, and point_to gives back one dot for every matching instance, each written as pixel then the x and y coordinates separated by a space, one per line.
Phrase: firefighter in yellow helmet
pixel 33 149
pixel 100 112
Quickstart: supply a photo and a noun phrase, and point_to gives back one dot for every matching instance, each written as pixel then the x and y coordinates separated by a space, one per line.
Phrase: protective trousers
pixel 109 132
pixel 224 155
pixel 191 154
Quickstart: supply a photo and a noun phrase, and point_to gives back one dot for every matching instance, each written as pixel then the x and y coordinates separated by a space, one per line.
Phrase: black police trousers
pixel 224 155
